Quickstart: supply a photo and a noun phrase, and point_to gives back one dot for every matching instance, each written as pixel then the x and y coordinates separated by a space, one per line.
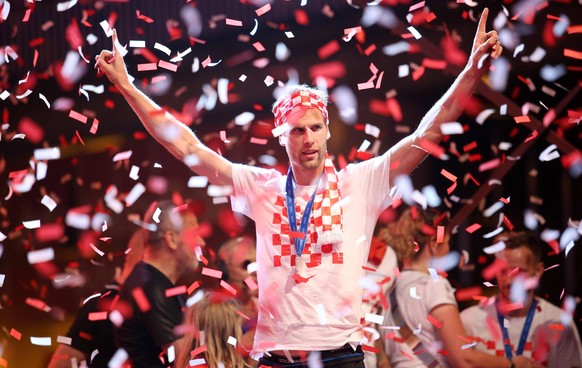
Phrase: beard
pixel 315 163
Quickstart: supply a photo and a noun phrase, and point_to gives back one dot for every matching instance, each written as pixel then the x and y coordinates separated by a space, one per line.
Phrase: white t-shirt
pixel 417 293
pixel 324 312
pixel 546 342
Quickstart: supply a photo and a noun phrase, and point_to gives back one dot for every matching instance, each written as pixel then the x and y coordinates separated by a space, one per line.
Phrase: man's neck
pixel 518 312
pixel 165 266
pixel 307 176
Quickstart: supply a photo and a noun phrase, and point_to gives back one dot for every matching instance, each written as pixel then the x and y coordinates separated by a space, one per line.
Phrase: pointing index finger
pixel 483 20
pixel 114 37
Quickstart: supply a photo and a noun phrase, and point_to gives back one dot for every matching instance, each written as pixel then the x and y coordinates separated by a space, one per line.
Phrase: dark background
pixel 81 177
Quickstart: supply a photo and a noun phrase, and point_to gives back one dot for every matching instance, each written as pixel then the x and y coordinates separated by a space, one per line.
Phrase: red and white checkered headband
pixel 293 103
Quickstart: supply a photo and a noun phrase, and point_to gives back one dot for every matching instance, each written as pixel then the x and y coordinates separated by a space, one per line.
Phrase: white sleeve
pixel 373 177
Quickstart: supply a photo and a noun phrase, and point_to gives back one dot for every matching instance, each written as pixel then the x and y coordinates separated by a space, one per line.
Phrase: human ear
pixel 539 270
pixel 171 239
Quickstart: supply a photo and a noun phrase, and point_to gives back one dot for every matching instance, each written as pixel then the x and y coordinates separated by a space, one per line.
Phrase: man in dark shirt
pixel 149 300
pixel 91 333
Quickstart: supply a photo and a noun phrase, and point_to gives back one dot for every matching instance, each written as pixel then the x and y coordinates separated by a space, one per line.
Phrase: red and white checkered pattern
pixel 293 103
pixel 326 217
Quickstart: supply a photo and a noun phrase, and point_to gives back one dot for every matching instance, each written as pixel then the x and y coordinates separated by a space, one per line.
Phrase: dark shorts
pixel 344 357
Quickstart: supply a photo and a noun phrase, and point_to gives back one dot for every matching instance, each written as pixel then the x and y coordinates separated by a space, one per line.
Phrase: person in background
pixel 423 311
pixel 516 322
pixel 233 259
pixel 92 339
pixel 211 334
pixel 382 259
pixel 150 308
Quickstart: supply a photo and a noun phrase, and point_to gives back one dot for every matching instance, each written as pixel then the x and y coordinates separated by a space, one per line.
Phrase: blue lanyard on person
pixel 524 331
pixel 290 202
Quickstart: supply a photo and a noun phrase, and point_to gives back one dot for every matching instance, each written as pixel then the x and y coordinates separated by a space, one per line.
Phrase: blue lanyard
pixel 524 331
pixel 290 201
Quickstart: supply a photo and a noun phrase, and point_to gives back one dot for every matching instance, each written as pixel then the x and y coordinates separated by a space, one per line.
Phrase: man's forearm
pixel 449 107
pixel 174 135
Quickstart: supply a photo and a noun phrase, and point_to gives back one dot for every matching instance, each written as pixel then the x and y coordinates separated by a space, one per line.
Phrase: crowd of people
pixel 296 291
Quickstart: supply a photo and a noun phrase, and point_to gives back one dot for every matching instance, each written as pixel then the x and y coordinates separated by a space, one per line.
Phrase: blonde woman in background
pixel 423 305
pixel 211 322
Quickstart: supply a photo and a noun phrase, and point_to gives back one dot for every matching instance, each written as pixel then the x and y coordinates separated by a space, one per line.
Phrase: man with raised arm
pixel 313 225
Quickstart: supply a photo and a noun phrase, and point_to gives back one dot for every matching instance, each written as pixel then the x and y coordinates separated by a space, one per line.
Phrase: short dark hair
pixel 528 239
pixel 169 219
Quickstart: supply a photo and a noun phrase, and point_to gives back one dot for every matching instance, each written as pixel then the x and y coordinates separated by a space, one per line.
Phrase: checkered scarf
pixel 293 103
pixel 327 210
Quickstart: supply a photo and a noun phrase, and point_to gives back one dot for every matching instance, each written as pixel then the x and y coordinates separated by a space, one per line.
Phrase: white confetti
pixel 134 194
pixel 134 172
pixel 320 309
pixel 375 318
pixel 244 118
pixel 495 248
pixel 49 202
pixel 53 153
pixel 156 215
pixel 166 50
pixel 78 220
pixel 41 255
pixel 396 48
pixel 118 359
pixel 40 341
pixel 414 32
pixel 34 224
pixel 106 28
pixel 97 250
pixel 403 70
pixel 451 128
pixel 137 43
pixel 197 182
pixel 550 153
pixel 232 341
pixel 493 233
pixel 120 156
pixel 413 293
pixel 372 130
pixel 66 6
pixel 64 340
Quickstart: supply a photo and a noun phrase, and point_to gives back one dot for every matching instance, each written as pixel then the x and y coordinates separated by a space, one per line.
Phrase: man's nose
pixel 308 137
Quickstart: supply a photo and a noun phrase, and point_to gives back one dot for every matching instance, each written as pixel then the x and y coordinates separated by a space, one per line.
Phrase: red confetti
pixel 17 335
pixel 371 349
pixel 522 119
pixel 440 234
pixel 467 293
pixel 299 279
pixel 225 285
pixel 97 316
pixel 212 272
pixel 78 116
pixel 301 17
pixel 176 291
pixel 328 49
pixel 193 287
pixel 573 54
pixel 141 299
pixel 434 64
pixel 471 229
pixel 143 17
pixel 435 322
pixel 34 132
